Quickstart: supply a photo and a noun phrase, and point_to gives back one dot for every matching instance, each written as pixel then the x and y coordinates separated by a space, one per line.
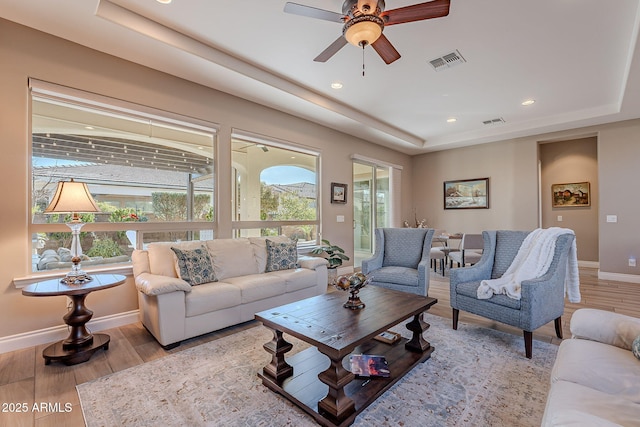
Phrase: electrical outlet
pixel 559 218
pixel 632 262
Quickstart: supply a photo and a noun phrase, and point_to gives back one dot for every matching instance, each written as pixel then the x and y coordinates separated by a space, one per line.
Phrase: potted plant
pixel 334 254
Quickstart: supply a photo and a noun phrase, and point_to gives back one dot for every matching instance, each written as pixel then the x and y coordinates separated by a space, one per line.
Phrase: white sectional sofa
pixel 596 378
pixel 174 310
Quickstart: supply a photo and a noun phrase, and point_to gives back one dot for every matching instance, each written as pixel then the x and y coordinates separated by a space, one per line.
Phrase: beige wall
pixel 513 186
pixel 513 168
pixel 572 161
pixel 27 53
pixel 619 175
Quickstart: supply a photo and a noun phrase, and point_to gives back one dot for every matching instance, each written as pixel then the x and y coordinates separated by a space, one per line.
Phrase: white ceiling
pixel 579 60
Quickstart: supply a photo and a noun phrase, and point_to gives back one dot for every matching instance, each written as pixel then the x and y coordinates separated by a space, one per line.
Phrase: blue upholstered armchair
pixel 542 299
pixel 401 259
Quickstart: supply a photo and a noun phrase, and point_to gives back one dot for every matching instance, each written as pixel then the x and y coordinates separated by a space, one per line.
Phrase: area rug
pixel 475 377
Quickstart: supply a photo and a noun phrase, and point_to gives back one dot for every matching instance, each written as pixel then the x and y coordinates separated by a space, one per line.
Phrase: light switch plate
pixel 340 218
pixel 612 218
pixel 559 218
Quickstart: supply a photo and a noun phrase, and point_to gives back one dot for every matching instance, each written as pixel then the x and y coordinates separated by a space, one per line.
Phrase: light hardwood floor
pixel 24 378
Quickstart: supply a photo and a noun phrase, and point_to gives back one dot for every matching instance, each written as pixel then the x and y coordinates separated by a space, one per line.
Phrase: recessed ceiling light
pixel 452 120
pixel 336 85
pixel 164 1
pixel 528 102
pixel 89 127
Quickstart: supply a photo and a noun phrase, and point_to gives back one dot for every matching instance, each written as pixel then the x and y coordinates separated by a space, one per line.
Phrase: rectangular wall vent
pixel 494 121
pixel 447 61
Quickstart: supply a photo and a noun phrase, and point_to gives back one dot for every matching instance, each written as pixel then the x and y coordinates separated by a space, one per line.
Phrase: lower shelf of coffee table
pixel 305 389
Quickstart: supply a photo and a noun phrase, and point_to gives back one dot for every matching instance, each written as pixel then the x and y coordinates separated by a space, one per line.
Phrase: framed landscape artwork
pixel 570 195
pixel 338 193
pixel 467 194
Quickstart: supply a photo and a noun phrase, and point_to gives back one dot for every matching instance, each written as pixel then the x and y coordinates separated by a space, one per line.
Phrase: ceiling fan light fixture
pixel 363 30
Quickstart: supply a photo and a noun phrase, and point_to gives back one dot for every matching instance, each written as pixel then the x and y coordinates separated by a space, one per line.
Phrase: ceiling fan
pixel 364 21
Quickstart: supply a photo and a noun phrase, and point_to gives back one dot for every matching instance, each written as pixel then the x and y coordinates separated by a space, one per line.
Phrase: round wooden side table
pixel 80 345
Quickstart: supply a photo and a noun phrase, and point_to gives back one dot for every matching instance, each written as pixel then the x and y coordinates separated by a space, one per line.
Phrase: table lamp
pixel 70 198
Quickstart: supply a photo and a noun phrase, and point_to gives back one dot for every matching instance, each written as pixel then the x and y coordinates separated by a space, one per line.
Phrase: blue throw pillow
pixel 635 347
pixel 281 256
pixel 195 266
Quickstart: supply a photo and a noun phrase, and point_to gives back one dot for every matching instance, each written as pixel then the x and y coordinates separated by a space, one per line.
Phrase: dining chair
pixel 439 250
pixel 470 252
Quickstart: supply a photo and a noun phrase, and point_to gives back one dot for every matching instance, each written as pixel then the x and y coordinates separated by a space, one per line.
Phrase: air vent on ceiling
pixel 447 61
pixel 494 121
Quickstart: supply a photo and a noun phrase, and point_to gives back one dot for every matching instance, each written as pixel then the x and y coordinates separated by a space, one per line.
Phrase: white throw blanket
pixel 533 260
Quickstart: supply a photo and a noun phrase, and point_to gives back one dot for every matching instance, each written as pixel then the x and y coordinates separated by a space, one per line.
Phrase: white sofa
pixel 596 378
pixel 173 310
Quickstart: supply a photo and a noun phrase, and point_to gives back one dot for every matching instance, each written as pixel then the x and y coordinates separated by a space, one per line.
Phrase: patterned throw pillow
pixel 281 256
pixel 635 347
pixel 195 266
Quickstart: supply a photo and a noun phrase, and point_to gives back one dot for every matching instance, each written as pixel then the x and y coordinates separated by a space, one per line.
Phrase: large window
pixel 150 173
pixel 275 189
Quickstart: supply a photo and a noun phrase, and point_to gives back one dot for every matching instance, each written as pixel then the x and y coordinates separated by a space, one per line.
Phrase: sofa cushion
pixel 635 347
pixel 162 260
pixel 281 256
pixel 602 367
pixel 195 266
pixel 211 297
pixel 570 404
pixel 259 245
pixel 258 286
pixel 296 279
pixel 232 257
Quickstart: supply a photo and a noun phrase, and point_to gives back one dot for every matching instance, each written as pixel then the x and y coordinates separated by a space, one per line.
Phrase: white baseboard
pixel 55 333
pixel 589 264
pixel 619 277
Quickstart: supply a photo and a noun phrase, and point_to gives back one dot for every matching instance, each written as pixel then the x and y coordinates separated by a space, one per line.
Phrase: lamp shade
pixel 363 30
pixel 72 197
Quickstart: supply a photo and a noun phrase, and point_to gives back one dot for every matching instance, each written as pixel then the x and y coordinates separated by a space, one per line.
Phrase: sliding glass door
pixel 370 207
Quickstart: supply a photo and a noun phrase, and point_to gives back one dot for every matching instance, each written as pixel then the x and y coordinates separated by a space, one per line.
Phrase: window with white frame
pixel 275 189
pixel 151 174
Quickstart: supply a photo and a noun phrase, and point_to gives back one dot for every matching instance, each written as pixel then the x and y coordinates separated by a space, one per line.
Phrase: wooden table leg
pixel 417 343
pixel 336 405
pixel 278 369
pixel 77 318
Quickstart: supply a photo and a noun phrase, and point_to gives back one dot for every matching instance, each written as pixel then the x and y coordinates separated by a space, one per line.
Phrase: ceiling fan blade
pixel 416 12
pixel 385 49
pixel 331 50
pixel 312 12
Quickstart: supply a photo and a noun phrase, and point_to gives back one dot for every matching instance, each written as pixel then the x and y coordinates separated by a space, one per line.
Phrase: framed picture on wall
pixel 338 193
pixel 467 194
pixel 570 195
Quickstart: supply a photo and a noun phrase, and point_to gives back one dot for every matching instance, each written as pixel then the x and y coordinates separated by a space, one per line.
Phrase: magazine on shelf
pixel 368 365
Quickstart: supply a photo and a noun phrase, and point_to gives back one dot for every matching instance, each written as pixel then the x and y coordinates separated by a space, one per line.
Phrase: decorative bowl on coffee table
pixel 353 284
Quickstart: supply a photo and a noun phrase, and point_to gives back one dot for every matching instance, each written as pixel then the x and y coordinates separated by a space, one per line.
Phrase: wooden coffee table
pixel 318 379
